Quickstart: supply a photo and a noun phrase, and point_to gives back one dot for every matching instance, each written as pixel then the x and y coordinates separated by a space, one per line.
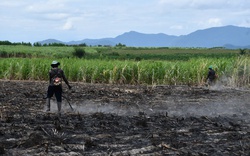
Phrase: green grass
pixel 124 53
pixel 191 72
pixel 28 51
pixel 126 65
pixel 170 54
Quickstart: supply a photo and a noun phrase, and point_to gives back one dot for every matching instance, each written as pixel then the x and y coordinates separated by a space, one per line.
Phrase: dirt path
pixel 124 120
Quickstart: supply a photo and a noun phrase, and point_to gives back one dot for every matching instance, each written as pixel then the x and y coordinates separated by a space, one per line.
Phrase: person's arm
pixel 208 74
pixel 50 78
pixel 65 80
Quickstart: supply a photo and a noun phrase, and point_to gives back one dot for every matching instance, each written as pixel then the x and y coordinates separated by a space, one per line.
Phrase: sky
pixel 74 20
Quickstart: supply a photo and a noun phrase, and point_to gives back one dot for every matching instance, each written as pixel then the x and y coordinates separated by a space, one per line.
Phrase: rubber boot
pixel 48 104
pixel 59 105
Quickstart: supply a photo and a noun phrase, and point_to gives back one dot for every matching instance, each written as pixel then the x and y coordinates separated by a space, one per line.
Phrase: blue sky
pixel 68 20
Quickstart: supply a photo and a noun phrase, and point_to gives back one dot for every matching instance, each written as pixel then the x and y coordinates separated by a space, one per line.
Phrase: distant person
pixel 211 76
pixel 56 75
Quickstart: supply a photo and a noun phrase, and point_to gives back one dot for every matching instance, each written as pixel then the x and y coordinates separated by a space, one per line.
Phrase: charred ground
pixel 124 120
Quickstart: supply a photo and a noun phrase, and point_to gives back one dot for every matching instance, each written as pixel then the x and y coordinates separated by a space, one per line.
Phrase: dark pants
pixel 57 90
pixel 211 82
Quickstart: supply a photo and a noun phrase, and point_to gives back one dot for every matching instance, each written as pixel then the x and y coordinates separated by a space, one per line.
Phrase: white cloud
pixel 67 26
pixel 245 22
pixel 109 18
pixel 45 7
pixel 214 21
pixel 56 16
pixel 15 3
pixel 176 27
pixel 208 22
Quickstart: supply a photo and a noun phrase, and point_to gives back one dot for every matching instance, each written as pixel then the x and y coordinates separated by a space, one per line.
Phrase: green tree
pixel 37 44
pixel 5 43
pixel 79 52
pixel 243 51
pixel 120 45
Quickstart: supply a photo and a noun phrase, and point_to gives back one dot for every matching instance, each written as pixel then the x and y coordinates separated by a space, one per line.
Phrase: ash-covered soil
pixel 124 120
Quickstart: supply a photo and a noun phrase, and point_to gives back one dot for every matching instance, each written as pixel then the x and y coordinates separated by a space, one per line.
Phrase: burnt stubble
pixel 124 120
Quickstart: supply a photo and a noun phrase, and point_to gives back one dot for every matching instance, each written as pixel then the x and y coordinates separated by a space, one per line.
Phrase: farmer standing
pixel 55 85
pixel 211 76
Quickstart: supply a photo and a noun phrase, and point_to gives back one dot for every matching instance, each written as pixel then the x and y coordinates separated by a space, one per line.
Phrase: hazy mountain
pixel 226 36
pixel 136 39
pixel 48 41
pixel 104 41
pixel 215 37
pixel 229 46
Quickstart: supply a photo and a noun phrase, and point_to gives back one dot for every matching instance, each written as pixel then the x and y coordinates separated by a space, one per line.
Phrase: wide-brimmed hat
pixel 55 63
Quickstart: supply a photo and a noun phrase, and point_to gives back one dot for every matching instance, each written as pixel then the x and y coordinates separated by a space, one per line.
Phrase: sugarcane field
pixel 124 101
pixel 125 78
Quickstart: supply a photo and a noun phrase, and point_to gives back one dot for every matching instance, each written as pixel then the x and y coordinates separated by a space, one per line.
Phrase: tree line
pixel 15 43
pixel 38 44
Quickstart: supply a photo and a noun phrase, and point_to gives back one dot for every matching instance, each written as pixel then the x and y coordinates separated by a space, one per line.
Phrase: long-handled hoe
pixel 68 102
pixel 45 97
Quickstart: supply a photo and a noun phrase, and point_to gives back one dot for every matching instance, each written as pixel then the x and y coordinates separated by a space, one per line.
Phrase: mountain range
pixel 231 37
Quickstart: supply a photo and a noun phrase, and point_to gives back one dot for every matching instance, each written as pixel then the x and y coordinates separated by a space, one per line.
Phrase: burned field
pixel 124 120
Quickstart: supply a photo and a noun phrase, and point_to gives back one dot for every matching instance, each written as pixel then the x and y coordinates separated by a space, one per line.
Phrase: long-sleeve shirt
pixel 211 74
pixel 59 73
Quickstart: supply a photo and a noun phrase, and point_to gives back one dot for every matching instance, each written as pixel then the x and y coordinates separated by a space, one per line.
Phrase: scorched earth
pixel 124 120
